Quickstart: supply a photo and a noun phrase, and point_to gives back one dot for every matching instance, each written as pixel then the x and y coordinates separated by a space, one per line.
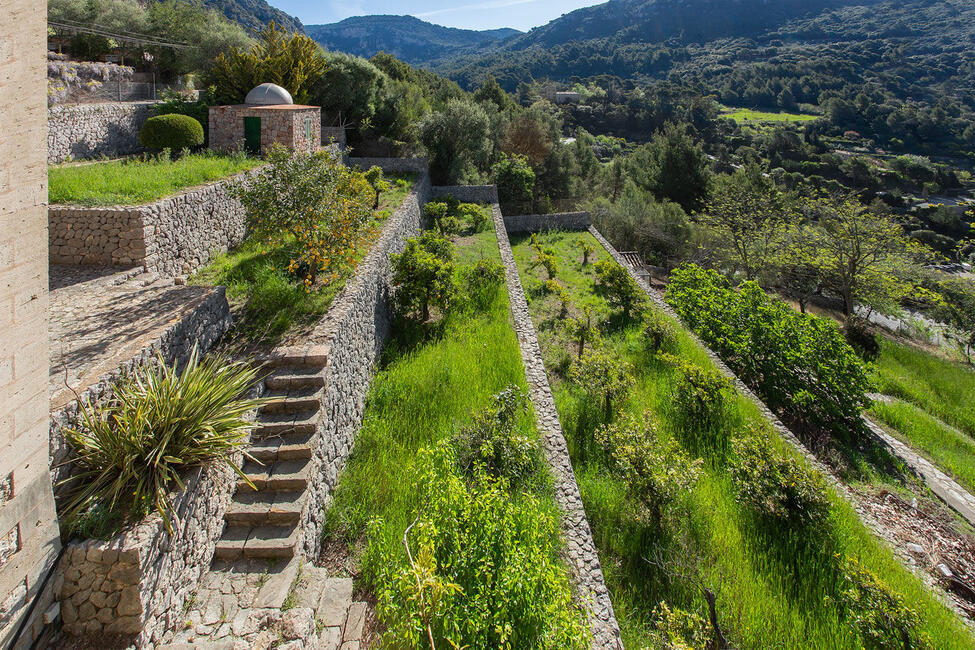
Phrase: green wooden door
pixel 252 135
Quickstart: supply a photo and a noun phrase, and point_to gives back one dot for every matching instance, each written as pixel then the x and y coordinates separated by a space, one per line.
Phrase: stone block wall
pixel 468 193
pixel 29 535
pixel 334 135
pixel 353 334
pixel 391 165
pixel 174 235
pixel 202 327
pixel 543 222
pixel 297 127
pixel 84 131
pixel 137 583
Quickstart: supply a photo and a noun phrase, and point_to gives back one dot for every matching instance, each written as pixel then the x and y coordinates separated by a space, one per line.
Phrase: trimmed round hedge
pixel 173 132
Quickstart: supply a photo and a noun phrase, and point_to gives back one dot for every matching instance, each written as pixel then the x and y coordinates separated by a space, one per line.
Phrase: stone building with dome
pixel 267 116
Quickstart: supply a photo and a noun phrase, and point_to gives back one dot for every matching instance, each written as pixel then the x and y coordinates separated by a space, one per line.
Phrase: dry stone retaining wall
pixel 83 131
pixel 865 515
pixel 543 222
pixel 353 334
pixel 468 193
pixel 173 236
pixel 583 559
pixel 391 165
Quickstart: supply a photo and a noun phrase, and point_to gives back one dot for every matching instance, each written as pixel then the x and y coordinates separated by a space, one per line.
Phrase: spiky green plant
pixel 130 453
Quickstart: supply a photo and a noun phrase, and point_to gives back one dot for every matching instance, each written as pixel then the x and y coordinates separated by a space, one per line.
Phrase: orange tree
pixel 309 203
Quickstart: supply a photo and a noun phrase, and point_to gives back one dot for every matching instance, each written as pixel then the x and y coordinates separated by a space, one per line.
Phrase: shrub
pixel 174 132
pixel 474 215
pixel 778 487
pixel 675 629
pixel 484 280
pixel 877 613
pixel 423 275
pixel 435 213
pixel 130 453
pixel 587 249
pixel 602 375
pixel 374 176
pixel 699 394
pixel 555 288
pixel 484 569
pixel 309 202
pixel 658 333
pixel 582 329
pixel 493 445
pixel 620 290
pixel 797 362
pixel 858 335
pixel 656 471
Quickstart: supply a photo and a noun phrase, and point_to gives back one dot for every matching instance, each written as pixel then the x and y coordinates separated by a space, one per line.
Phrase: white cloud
pixel 492 4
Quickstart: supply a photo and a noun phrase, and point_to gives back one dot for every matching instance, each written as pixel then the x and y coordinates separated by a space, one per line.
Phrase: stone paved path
pixel 946 488
pixel 101 317
pixel 254 605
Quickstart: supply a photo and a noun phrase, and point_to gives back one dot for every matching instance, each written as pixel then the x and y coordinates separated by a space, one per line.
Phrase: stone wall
pixel 294 126
pixel 174 235
pixel 352 336
pixel 29 535
pixel 334 135
pixel 391 165
pixel 468 193
pixel 543 222
pixel 84 131
pixel 137 583
pixel 582 557
pixel 203 327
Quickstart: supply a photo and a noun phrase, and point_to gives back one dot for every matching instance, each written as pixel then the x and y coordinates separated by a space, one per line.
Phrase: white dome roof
pixel 268 95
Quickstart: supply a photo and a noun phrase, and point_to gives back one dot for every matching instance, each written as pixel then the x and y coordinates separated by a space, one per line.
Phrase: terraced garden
pixel 715 506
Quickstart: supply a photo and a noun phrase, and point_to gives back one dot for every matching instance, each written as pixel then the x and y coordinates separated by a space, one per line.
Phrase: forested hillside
pixel 254 15
pixel 405 37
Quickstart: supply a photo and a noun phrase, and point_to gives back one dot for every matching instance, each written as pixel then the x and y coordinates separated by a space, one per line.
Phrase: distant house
pixel 568 97
pixel 268 116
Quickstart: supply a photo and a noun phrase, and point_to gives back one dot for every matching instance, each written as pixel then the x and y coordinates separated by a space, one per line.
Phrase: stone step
pixel 294 400
pixel 288 378
pixel 273 424
pixel 257 542
pixel 265 508
pixel 299 357
pixel 279 476
pixel 287 446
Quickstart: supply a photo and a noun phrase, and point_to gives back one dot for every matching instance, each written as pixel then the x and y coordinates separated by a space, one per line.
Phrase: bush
pixel 877 613
pixel 603 376
pixel 160 422
pixel 655 471
pixel 778 487
pixel 484 568
pixel 423 275
pixel 474 215
pixel 620 290
pixel 435 212
pixel 699 395
pixel 797 362
pixel 174 132
pixel 675 629
pixel 374 176
pixel 858 335
pixel 484 280
pixel 493 445
pixel 555 288
pixel 658 333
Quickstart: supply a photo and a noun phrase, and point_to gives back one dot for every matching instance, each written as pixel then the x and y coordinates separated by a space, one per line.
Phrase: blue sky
pixel 470 14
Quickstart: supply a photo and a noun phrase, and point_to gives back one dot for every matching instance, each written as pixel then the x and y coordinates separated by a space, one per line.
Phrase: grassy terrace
pixel 747 115
pixel 775 585
pixel 432 379
pixel 137 181
pixel 275 304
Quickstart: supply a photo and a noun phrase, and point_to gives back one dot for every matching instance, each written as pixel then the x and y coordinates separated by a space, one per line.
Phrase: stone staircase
pixel 264 517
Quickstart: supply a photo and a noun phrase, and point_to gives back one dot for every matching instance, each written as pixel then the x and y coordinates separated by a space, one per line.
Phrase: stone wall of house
pixel 581 557
pixel 468 193
pixel 29 535
pixel 84 131
pixel 202 327
pixel 174 235
pixel 297 127
pixel 543 222
pixel 136 584
pixel 352 336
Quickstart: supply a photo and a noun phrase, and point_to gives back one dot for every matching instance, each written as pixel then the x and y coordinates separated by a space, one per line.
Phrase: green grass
pixel 943 388
pixel 772 584
pixel 273 303
pixel 946 447
pixel 747 115
pixel 138 181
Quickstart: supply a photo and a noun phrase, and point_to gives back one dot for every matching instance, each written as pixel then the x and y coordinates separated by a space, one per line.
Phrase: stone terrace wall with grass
pixel 352 336
pixel 895 546
pixel 173 236
pixel 137 583
pixel 85 131
pixel 543 222
pixel 583 558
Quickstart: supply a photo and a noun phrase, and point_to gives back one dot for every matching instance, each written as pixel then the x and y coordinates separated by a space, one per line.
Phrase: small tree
pixel 515 179
pixel 621 291
pixel 423 275
pixel 379 184
pixel 435 213
pixel 587 249
pixel 310 201
pixel 582 329
pixel 957 309
pixel 457 139
pixel 603 375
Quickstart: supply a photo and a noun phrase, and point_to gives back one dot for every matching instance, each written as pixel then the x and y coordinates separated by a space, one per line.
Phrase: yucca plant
pixel 129 454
